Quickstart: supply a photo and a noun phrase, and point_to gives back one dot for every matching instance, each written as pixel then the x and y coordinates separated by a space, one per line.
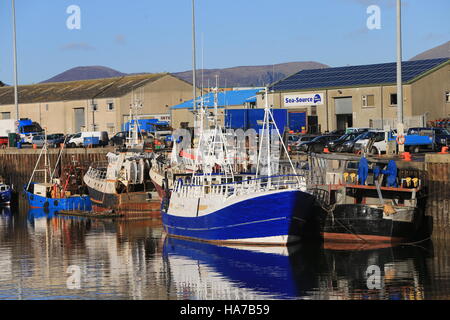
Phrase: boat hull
pixel 276 218
pixel 364 223
pixel 5 197
pixel 72 203
pixel 133 203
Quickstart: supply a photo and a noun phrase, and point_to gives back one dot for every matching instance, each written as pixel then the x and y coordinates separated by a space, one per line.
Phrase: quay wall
pixel 437 168
pixel 16 165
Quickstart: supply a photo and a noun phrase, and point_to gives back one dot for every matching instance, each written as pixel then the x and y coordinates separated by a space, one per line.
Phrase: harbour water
pixel 43 256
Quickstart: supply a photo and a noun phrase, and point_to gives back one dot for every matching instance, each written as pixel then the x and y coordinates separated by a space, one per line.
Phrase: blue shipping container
pixel 252 118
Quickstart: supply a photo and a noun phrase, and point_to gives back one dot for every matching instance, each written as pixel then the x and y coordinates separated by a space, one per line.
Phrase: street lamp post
pixel 400 120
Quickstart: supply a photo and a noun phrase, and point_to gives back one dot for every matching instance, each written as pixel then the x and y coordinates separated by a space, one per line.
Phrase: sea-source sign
pixel 303 99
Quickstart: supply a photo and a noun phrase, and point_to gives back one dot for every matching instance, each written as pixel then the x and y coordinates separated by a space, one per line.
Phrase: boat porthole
pixel 55 202
pixel 46 204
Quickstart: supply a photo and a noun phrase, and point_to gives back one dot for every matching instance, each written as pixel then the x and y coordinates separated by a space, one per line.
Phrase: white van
pixel 77 140
pixel 379 145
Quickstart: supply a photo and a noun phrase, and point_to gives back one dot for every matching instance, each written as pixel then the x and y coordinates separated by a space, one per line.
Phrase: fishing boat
pixel 52 194
pixel 371 202
pixel 122 184
pixel 216 204
pixel 5 193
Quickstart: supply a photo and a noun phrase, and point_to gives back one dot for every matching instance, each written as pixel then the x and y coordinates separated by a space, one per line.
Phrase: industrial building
pixel 95 105
pixel 183 117
pixel 364 96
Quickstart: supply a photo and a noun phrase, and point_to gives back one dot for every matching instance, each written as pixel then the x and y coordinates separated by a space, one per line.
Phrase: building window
pixel 447 96
pixel 111 128
pixel 393 99
pixel 46 107
pixel 110 106
pixel 6 115
pixel 368 100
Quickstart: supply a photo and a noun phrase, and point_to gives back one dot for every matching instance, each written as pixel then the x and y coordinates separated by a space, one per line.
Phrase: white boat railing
pixel 96 174
pixel 239 188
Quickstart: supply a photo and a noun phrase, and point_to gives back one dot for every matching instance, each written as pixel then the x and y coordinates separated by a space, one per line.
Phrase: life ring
pixel 401 139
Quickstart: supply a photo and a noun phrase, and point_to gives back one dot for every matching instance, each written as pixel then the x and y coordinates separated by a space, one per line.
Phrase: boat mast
pixel 45 157
pixel 16 95
pixel 194 66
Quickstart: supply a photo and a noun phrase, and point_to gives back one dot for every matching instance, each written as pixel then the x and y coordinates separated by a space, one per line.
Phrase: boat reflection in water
pixel 205 271
pixel 402 271
pixel 5 211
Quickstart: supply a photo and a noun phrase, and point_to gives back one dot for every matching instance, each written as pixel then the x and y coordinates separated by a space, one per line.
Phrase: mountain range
pixel 85 73
pixel 228 77
pixel 244 76
pixel 442 51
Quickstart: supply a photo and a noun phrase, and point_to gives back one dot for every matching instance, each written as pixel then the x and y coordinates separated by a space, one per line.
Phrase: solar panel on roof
pixel 356 75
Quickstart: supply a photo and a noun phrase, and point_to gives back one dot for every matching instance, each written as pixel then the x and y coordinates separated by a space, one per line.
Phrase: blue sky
pixel 155 36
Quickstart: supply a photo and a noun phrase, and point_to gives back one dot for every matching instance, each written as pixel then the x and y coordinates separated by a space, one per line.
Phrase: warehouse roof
pixel 77 90
pixel 226 98
pixel 352 76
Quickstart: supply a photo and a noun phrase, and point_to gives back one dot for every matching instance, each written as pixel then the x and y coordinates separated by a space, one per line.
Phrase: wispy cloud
pixel 77 46
pixel 120 39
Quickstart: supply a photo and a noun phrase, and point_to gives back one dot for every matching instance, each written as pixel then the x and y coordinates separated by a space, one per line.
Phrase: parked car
pixel 357 130
pixel 336 145
pixel 38 140
pixel 302 138
pixel 348 146
pixel 118 139
pixel 55 140
pixel 78 139
pixel 337 132
pixel 317 144
pixel 380 138
pixel 292 139
pixel 4 142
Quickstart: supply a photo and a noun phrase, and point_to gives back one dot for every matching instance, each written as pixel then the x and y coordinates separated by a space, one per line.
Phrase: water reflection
pixel 403 273
pixel 205 271
pixel 133 260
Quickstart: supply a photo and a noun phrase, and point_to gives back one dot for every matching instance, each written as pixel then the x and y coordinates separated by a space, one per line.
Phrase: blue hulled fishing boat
pixel 215 203
pixel 5 194
pixel 52 194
